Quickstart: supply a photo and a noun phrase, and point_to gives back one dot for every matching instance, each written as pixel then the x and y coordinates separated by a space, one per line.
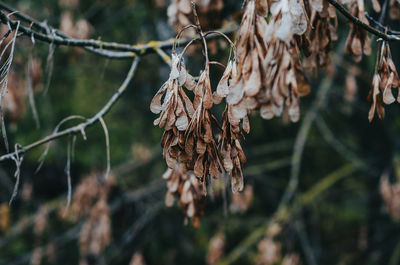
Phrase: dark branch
pixel 107 49
pixel 356 21
pixel 379 25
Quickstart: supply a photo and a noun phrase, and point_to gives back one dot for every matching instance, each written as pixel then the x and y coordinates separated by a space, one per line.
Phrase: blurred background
pixel 346 209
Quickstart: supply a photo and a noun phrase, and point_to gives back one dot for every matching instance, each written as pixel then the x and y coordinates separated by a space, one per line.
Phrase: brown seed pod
pixel 385 79
pixel 394 9
pixel 321 34
pixel 270 77
pixel 186 188
pixel 176 111
pixel 200 131
pixel 358 42
pixel 209 11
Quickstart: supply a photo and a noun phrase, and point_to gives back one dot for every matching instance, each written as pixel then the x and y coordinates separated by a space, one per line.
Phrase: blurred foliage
pixel 344 223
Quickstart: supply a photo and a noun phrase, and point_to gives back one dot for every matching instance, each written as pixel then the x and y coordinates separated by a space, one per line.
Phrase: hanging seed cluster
pixel 320 35
pixel 394 9
pixel 358 42
pixel 278 44
pixel 209 11
pixel 184 187
pixel 385 79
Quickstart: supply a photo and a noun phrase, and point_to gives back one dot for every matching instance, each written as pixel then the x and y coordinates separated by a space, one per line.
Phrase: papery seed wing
pixel 376 6
pixel 214 169
pixel 199 167
pixel 174 67
pixel 294 111
pixel 375 92
pixel 266 111
pixel 157 121
pixel 237 182
pixel 388 97
pixel 317 5
pixel 190 83
pixel 190 210
pixel 167 174
pixel 246 124
pixel 186 196
pixel 239 111
pixel 170 161
pixel 227 160
pixel 216 98
pixel 253 84
pixel 208 135
pixel 155 105
pixel 208 98
pixel 182 122
pixel 285 30
pixel 356 49
pixel 169 199
pixel 380 110
pixel 200 147
pixel 185 7
pixel 173 185
pixel 223 85
pixel 188 104
pixel 298 17
pixel 189 144
pixel 239 149
pixel 235 93
pixel 182 76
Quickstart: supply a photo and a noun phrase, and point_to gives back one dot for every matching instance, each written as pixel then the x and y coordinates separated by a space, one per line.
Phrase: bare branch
pixel 379 25
pixel 46 151
pixel 49 64
pixel 80 128
pixel 107 49
pixel 68 173
pixel 356 21
pixel 29 88
pixel 302 136
pixel 18 161
pixel 285 212
pixel 103 124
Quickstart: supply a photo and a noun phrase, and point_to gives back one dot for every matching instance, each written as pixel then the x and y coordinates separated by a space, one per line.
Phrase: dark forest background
pixel 338 215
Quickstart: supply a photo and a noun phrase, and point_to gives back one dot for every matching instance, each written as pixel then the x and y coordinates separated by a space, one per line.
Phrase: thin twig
pixel 80 128
pixel 107 137
pixel 46 150
pixel 383 12
pixel 284 212
pixel 73 233
pixel 68 173
pixel 29 88
pixel 302 137
pixel 330 138
pixel 379 25
pixel 49 65
pixel 18 161
pixel 106 49
pixel 358 22
pixel 305 243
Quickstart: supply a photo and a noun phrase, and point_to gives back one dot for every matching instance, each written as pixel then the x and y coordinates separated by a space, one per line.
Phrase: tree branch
pixel 285 212
pixel 111 50
pixel 80 128
pixel 356 21
pixel 379 25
